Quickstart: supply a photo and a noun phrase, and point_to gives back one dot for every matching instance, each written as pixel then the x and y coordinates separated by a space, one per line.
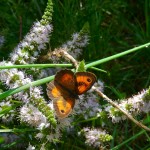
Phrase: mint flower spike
pixel 40 103
pixel 28 50
pixel 31 115
pixel 72 48
pixel 35 41
pixel 95 137
pixel 47 17
pixel 134 105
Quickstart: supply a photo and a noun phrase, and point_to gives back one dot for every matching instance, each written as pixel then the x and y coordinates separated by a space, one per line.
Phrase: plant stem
pixel 123 111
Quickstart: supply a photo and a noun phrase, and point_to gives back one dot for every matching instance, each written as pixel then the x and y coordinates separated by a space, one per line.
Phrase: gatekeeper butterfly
pixel 65 89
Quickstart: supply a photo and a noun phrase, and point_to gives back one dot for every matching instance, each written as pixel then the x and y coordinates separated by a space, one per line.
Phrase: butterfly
pixel 66 87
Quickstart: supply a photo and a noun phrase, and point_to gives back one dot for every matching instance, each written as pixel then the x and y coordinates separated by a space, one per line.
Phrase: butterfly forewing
pixel 65 82
pixel 85 81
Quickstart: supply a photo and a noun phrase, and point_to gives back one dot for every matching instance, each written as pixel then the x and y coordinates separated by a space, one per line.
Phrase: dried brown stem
pixel 69 57
pixel 123 111
pixel 59 53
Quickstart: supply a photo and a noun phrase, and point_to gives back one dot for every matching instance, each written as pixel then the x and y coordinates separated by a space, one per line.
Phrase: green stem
pixel 24 87
pixel 117 55
pixel 36 66
pixel 128 140
pixel 45 80
pixel 17 130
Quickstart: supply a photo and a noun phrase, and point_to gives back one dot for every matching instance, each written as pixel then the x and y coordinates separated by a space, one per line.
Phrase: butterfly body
pixel 66 87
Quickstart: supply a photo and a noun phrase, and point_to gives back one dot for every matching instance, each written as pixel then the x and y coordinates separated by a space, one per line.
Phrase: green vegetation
pixel 113 27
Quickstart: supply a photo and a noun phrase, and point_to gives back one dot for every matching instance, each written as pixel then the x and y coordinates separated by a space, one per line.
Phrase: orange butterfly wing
pixel 65 81
pixel 85 81
pixel 66 88
pixel 52 92
pixel 63 107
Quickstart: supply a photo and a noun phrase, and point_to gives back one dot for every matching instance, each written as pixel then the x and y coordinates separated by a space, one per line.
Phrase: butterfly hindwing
pixel 63 107
pixel 52 91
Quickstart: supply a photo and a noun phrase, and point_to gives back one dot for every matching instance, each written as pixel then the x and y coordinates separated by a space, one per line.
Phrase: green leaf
pixel 81 67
